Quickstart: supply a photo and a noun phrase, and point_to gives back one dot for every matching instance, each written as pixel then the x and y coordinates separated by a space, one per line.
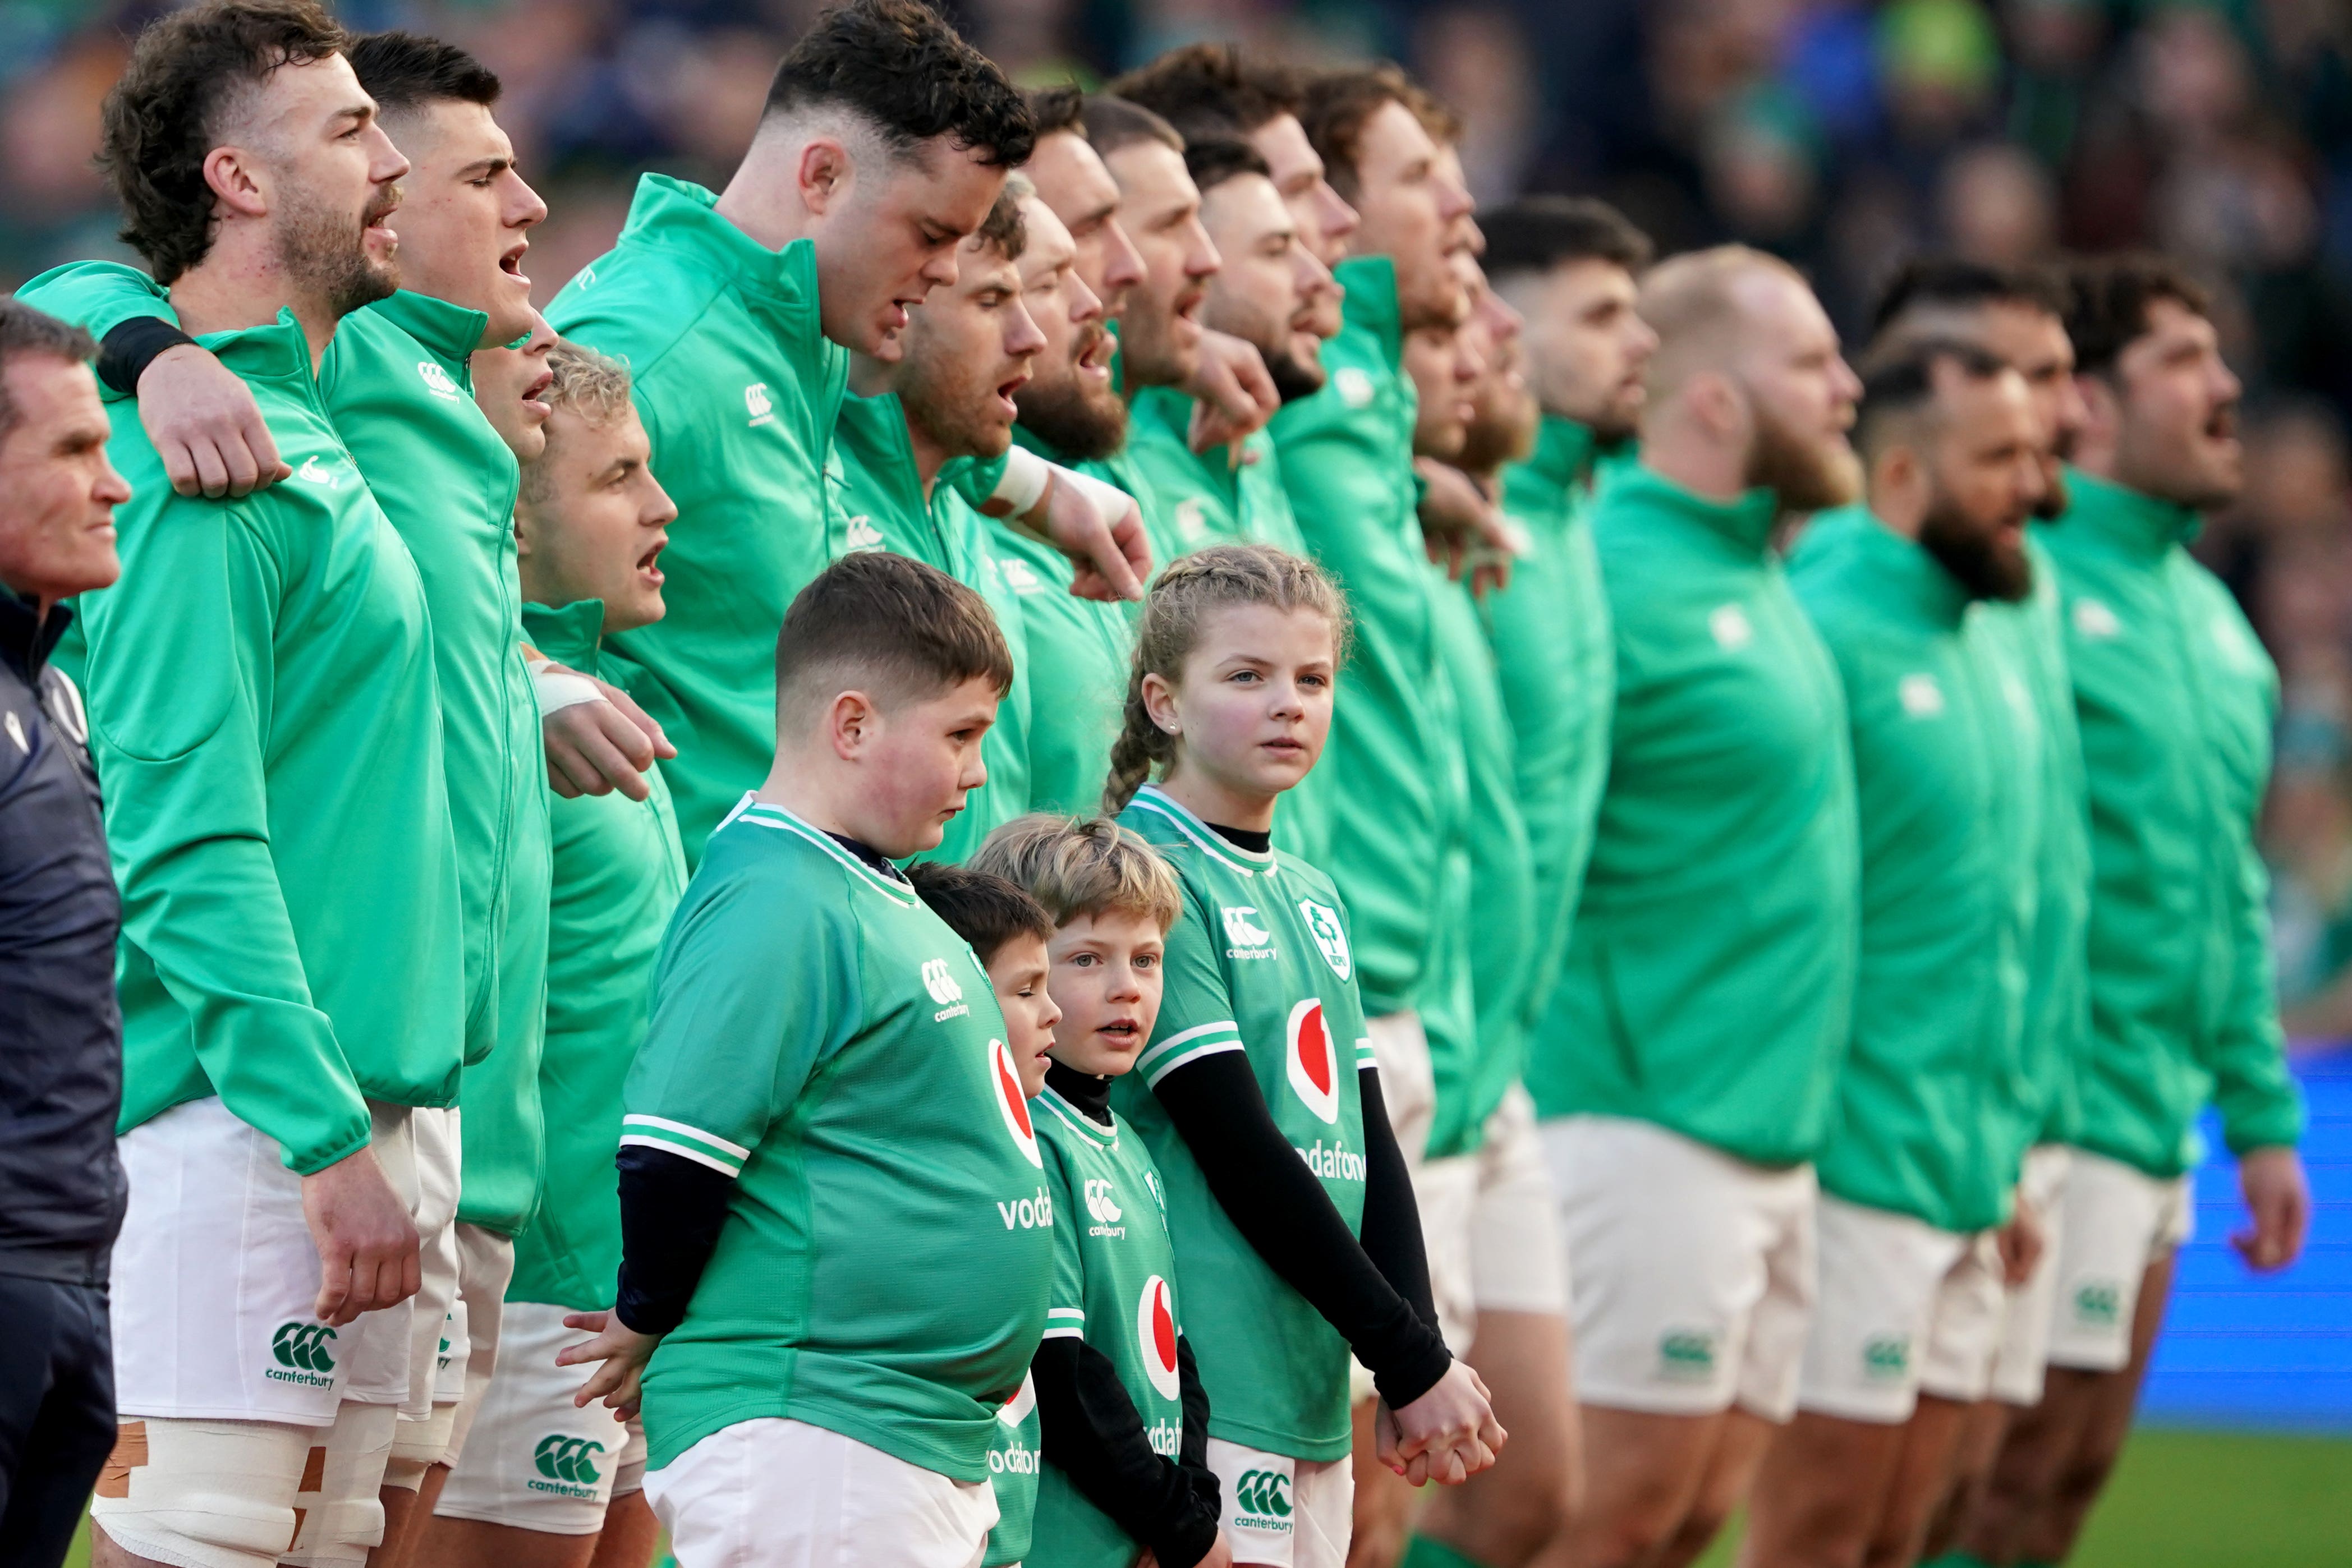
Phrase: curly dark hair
pixel 162 116
pixel 1337 105
pixel 404 71
pixel 896 63
pixel 1058 108
pixel 2108 311
pixel 1211 89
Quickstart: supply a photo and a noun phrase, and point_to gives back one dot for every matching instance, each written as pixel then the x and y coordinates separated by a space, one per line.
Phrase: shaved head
pixel 1707 305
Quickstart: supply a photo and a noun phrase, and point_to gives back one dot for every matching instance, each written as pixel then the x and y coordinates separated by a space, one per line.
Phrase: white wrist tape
pixel 1024 480
pixel 559 688
pixel 1110 503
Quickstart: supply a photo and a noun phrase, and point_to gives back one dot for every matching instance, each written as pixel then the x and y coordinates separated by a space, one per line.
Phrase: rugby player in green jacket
pixel 1711 969
pixel 1936 1102
pixel 885 140
pixel 2176 699
pixel 590 522
pixel 263 713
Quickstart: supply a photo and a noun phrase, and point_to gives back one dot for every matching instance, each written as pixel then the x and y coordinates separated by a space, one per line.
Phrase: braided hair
pixel 1173 613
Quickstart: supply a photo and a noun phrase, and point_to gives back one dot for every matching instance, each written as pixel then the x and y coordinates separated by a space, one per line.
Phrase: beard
pixel 1982 560
pixel 948 412
pixel 1293 377
pixel 1806 477
pixel 2055 496
pixel 325 252
pixel 1502 432
pixel 1076 423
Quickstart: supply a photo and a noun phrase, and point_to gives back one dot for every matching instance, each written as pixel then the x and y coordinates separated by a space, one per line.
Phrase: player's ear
pixel 823 173
pixel 851 724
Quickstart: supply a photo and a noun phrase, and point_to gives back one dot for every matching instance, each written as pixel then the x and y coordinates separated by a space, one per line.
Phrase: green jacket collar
pixel 679 215
pixel 1370 304
pixel 567 634
pixel 2140 525
pixel 451 332
pixel 1908 575
pixel 1746 522
pixel 1564 450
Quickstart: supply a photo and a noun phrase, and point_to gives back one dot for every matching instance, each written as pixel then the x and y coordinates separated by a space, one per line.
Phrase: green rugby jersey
pixel 876 501
pixel 739 389
pixel 1206 497
pixel 1262 962
pixel 1347 462
pixel 1557 665
pixel 823 1037
pixel 264 718
pixel 2176 699
pixel 1115 1288
pixel 618 875
pixel 1496 924
pixel 1710 973
pixel 1013 1463
pixel 2058 1005
pixel 1935 1106
pixel 398 382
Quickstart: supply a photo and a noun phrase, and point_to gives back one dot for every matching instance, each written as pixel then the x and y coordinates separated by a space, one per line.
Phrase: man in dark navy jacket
pixel 61 1189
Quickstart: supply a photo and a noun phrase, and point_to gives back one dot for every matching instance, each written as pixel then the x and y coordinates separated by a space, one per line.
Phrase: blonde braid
pixel 1170 628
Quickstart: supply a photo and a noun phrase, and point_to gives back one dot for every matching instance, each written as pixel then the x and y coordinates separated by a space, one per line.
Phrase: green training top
pixel 1347 463
pixel 876 501
pixel 1556 668
pixel 1932 1102
pixel 2176 698
pixel 739 389
pixel 1710 974
pixel 1013 1462
pixel 618 875
pixel 1115 1288
pixel 1498 927
pixel 2058 995
pixel 1262 961
pixel 397 381
pixel 1078 654
pixel 820 1036
pixel 264 716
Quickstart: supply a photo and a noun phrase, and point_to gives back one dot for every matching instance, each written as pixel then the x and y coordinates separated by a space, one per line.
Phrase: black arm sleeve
pixel 1192 1454
pixel 1089 1430
pixel 671 1211
pixel 1281 1208
pixel 127 351
pixel 1391 1228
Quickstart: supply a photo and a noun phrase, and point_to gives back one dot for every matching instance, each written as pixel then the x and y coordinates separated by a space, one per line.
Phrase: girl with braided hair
pixel 1295 1234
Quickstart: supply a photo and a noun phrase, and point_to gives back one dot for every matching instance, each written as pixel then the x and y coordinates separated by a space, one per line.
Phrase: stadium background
pixel 1844 135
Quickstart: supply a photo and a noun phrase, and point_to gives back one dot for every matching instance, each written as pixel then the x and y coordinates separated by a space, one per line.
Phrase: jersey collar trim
pixel 1107 1137
pixel 767 814
pixel 1206 837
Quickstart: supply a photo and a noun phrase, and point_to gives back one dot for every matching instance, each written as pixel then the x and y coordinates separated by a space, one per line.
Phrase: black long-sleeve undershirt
pixel 671 1213
pixel 1088 1428
pixel 1374 1290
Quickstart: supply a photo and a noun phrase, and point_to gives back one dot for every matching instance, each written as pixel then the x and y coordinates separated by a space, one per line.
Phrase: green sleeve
pixel 975 478
pixel 1196 1011
pixel 181 675
pixel 97 296
pixel 2261 1105
pixel 1066 1303
pixel 757 984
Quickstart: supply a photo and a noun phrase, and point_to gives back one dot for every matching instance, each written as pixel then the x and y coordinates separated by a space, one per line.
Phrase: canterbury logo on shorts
pixel 1262 1500
pixel 304 1355
pixel 568 1464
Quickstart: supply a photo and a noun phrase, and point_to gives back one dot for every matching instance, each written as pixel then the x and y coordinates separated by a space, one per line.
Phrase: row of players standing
pixel 1407 850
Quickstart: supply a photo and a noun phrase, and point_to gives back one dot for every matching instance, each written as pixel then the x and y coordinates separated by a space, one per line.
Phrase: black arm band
pixel 126 351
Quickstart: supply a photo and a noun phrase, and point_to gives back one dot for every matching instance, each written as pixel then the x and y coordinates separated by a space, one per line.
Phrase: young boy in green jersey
pixel 1007 931
pixel 541 1482
pixel 834 1265
pixel 1289 1199
pixel 1124 1417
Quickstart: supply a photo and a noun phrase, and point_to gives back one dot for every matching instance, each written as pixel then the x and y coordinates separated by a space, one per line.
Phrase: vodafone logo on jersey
pixel 1015 1410
pixel 1313 1065
pixel 1155 1330
pixel 1004 1085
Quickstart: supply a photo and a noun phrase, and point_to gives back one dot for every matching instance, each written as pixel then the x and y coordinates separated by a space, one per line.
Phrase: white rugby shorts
pixel 2117 1221
pixel 1445 1190
pixel 534 1460
pixel 1516 1264
pixel 484 1264
pixel 726 1504
pixel 436 1227
pixel 1282 1512
pixel 2024 1350
pixel 1692 1282
pixel 1902 1307
pixel 214 1278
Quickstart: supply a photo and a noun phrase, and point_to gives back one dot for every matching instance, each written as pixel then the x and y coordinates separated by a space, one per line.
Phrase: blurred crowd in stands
pixel 1844 134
